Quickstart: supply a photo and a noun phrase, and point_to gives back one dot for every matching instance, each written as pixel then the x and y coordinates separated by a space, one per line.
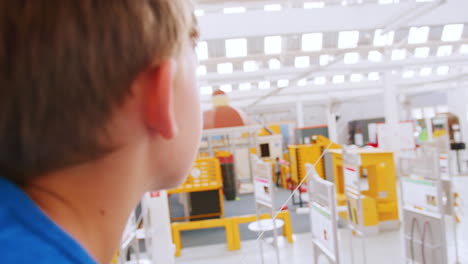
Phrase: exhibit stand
pixel 323 218
pixel 424 227
pixel 357 203
pixel 264 203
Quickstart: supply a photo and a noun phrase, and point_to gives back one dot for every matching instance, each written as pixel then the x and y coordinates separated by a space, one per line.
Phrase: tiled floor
pixel 382 249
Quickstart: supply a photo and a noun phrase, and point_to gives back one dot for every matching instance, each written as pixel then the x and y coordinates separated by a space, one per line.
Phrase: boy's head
pixel 80 80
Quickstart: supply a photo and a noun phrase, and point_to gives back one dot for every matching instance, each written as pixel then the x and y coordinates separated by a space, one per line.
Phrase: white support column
pixel 391 110
pixel 458 105
pixel 331 120
pixel 299 114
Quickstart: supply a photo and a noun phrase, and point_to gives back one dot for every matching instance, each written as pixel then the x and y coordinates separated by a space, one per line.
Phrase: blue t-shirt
pixel 29 236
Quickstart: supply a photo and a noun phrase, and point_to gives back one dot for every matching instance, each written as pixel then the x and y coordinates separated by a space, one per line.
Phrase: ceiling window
pixel 408 74
pixel 234 10
pixel 445 50
pixel 302 62
pixel 399 54
pixel 236 48
pixel 338 79
pixel 312 5
pixel 245 86
pixel 202 50
pixel 312 41
pixel 264 85
pixel 224 68
pixel 386 2
pixel 418 35
pixel 381 39
pixel 426 71
pixel 464 49
pixel 272 45
pixel 274 64
pixel 302 82
pixel 201 70
pixel 351 58
pixel 356 77
pixel 442 70
pixel 206 90
pixel 373 76
pixel 321 80
pixel 273 7
pixel 227 88
pixel 282 83
pixel 250 66
pixel 421 52
pixel 375 56
pixel 325 59
pixel 452 32
pixel 199 12
pixel 348 39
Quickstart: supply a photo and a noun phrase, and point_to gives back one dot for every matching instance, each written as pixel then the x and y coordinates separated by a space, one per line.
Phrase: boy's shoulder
pixel 27 235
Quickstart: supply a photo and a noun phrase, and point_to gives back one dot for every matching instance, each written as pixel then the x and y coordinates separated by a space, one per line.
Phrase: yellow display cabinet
pixel 378 195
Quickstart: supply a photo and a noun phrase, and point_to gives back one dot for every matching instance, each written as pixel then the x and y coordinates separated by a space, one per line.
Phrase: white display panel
pixel 322 227
pixel 444 165
pixel 351 177
pixel 263 192
pixel 421 194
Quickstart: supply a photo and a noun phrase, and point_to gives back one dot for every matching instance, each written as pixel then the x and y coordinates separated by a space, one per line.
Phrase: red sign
pixel 155 194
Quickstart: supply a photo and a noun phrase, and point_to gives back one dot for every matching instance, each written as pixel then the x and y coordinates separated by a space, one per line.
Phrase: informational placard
pixel 322 227
pixel 420 194
pixel 444 165
pixel 351 177
pixel 404 136
pixel 263 183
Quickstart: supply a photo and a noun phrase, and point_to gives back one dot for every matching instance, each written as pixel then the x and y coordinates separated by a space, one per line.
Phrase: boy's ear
pixel 159 100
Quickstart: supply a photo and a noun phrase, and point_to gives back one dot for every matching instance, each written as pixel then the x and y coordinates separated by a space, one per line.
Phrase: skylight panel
pixel 263 85
pixel 321 80
pixel 227 88
pixel 421 52
pixel 408 74
pixel 272 45
pixel 245 86
pixel 206 90
pixel 373 76
pixel 348 39
pixel 302 62
pixel 312 41
pixel 399 54
pixel 201 70
pixel 234 10
pixel 312 5
pixel 464 49
pixel 418 35
pixel 445 50
pixel 202 50
pixel 338 79
pixel 442 70
pixel 452 32
pixel 302 82
pixel 356 77
pixel 282 83
pixel 274 64
pixel 387 2
pixel 325 59
pixel 374 56
pixel 273 7
pixel 426 71
pixel 199 12
pixel 236 48
pixel 381 39
pixel 351 58
pixel 224 68
pixel 250 66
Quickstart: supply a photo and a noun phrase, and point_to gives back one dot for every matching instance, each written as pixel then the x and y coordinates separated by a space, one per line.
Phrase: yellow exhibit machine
pixel 299 155
pixel 202 190
pixel 378 198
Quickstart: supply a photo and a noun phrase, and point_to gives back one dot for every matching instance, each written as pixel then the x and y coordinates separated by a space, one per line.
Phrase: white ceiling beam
pixel 296 20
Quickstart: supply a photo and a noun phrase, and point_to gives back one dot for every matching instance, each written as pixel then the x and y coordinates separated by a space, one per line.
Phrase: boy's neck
pixel 91 202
